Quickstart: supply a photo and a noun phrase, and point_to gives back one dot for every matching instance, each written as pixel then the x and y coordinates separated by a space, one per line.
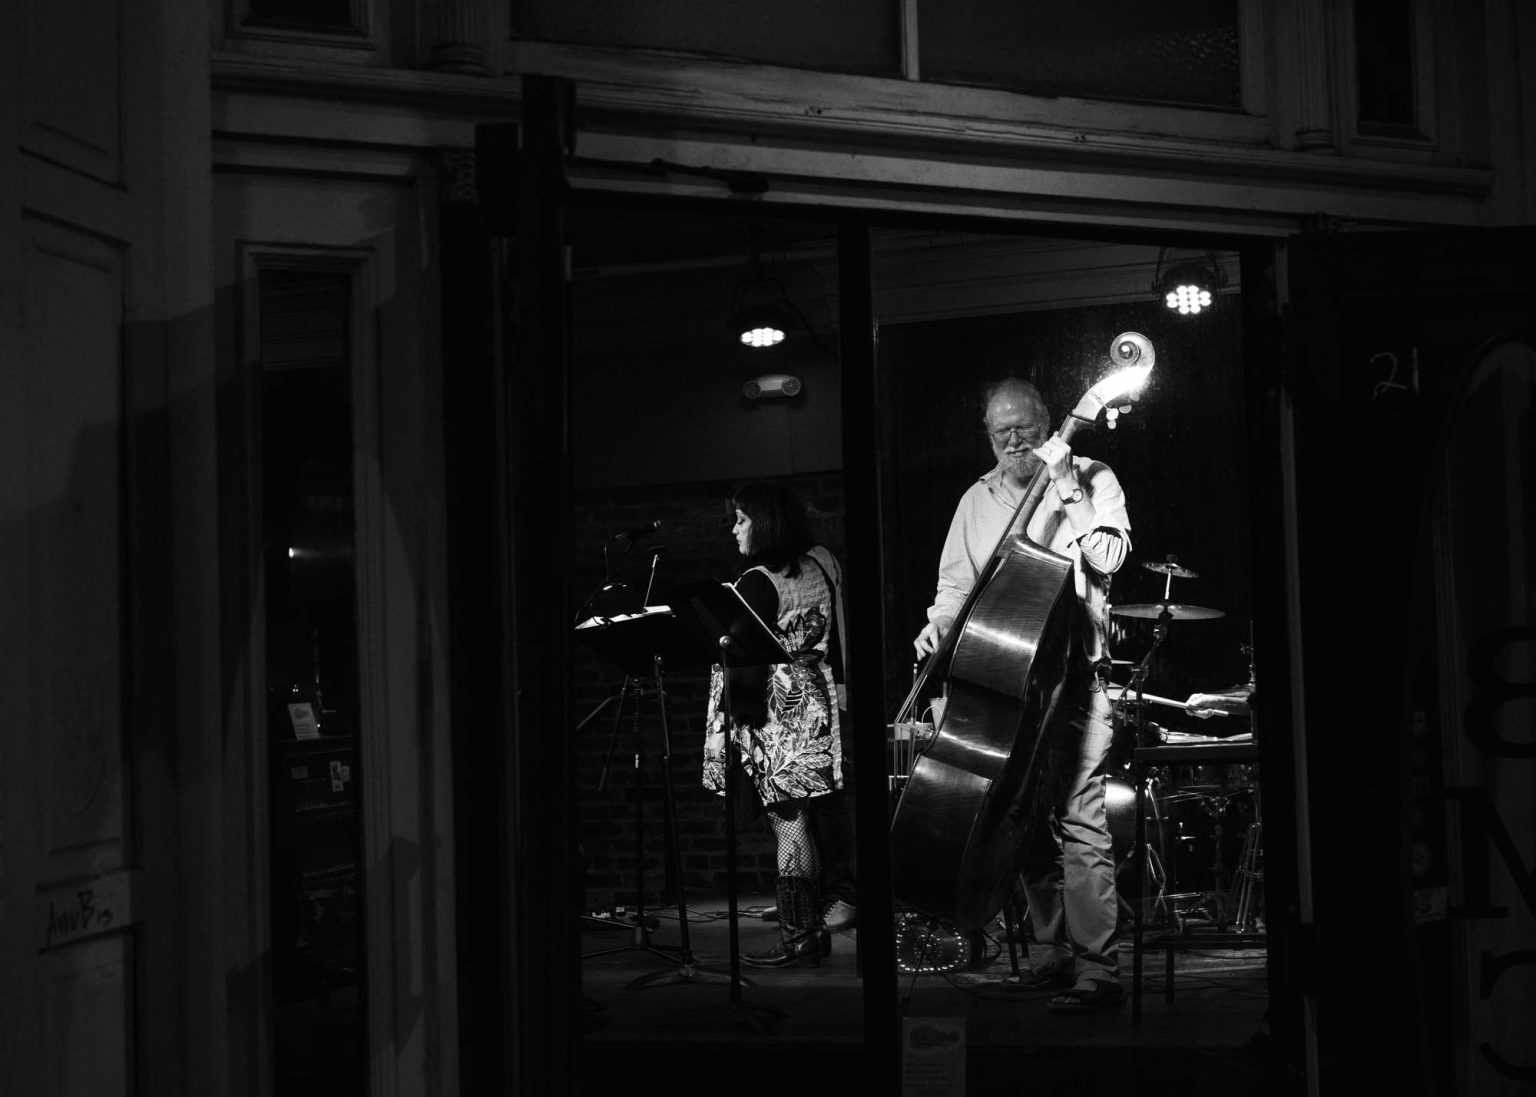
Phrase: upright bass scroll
pixel 960 826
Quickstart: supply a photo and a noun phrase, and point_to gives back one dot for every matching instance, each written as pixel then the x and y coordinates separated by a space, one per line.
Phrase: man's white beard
pixel 1021 465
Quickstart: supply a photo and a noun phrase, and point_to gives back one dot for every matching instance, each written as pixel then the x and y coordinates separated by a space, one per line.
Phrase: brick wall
pixel 697 544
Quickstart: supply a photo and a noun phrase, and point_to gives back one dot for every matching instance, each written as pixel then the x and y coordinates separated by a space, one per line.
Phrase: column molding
pixel 459 29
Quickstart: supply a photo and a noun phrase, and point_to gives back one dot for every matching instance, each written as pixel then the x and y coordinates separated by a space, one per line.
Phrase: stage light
pixel 760 308
pixel 760 325
pixel 1188 288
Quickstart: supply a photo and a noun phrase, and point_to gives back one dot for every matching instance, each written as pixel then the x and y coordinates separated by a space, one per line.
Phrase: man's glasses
pixel 1030 436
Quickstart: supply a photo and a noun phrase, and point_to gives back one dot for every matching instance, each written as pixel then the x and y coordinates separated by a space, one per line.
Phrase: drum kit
pixel 1203 827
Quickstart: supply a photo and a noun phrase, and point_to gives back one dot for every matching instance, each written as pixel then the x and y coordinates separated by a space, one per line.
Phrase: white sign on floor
pixel 933 1057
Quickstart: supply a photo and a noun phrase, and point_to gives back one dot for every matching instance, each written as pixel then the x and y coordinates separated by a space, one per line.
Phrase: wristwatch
pixel 1075 497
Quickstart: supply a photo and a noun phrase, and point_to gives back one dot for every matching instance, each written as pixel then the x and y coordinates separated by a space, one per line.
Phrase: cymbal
pixel 1171 568
pixel 1176 611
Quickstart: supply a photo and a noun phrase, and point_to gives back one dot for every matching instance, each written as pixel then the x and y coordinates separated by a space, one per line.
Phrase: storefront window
pixel 311 660
pixel 1385 64
pixel 859 36
pixel 1184 52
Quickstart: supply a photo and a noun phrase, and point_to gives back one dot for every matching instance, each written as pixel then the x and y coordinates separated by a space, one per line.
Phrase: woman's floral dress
pixel 796 753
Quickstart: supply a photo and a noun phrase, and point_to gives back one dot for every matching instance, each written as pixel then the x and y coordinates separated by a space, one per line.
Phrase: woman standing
pixel 785 717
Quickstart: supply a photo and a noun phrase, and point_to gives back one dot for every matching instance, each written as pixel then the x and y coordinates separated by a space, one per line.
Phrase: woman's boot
pixel 799 943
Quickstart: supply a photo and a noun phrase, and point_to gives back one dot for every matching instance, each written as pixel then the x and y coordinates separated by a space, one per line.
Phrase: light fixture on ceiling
pixel 760 326
pixel 1189 287
pixel 760 311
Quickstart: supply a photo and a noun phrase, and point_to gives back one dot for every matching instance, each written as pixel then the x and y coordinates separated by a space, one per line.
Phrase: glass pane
pixel 1384 62
pixel 310 14
pixel 671 413
pixel 311 673
pixel 959 313
pixel 859 36
pixel 1179 51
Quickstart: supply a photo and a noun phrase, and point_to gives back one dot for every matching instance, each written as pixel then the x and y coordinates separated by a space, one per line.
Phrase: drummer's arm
pixel 1206 705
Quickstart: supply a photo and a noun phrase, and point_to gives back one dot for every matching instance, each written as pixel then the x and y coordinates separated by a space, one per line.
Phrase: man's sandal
pixel 1089 999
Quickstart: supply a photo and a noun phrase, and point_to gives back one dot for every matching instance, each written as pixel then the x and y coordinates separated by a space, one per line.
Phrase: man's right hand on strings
pixel 927 642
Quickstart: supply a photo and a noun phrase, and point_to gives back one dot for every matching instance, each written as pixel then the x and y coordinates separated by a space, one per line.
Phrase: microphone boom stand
pixel 625 640
pixel 690 970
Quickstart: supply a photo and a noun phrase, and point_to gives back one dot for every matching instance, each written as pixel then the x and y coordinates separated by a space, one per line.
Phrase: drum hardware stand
pixel 1233 906
pixel 1249 877
pixel 1157 871
pixel 1139 775
pixel 1015 911
pixel 1250 874
pixel 1144 860
pixel 1216 806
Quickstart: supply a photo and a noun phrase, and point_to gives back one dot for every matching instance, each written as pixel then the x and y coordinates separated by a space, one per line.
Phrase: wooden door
pixel 105 113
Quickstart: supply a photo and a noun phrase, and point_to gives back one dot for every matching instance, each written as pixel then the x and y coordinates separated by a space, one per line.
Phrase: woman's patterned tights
pixel 798 855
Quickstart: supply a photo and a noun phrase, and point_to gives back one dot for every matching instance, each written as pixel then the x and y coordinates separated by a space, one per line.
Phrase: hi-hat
pixel 1175 610
pixel 1171 568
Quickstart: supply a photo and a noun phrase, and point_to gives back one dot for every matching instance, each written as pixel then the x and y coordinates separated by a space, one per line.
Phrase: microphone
pixel 632 535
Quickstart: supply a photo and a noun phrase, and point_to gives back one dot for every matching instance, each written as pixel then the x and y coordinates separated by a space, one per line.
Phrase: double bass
pixel 960 828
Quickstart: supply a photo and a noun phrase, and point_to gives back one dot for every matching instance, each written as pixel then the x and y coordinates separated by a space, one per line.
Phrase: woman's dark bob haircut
pixel 781 528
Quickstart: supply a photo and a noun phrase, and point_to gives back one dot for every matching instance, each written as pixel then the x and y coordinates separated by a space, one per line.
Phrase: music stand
pixel 715 614
pixel 652 638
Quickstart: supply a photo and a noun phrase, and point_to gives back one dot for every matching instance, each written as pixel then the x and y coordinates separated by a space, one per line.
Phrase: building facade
pixel 291 496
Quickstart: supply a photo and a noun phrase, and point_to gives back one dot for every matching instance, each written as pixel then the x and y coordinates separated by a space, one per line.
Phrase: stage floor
pixel 646 1008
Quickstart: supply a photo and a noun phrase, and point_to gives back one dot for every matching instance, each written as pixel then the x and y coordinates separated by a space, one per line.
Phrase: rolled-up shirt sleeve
pixel 1103 550
pixel 1107 540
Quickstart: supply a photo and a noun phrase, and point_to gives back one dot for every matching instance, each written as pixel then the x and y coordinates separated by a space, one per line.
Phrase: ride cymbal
pixel 1177 611
pixel 1171 568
